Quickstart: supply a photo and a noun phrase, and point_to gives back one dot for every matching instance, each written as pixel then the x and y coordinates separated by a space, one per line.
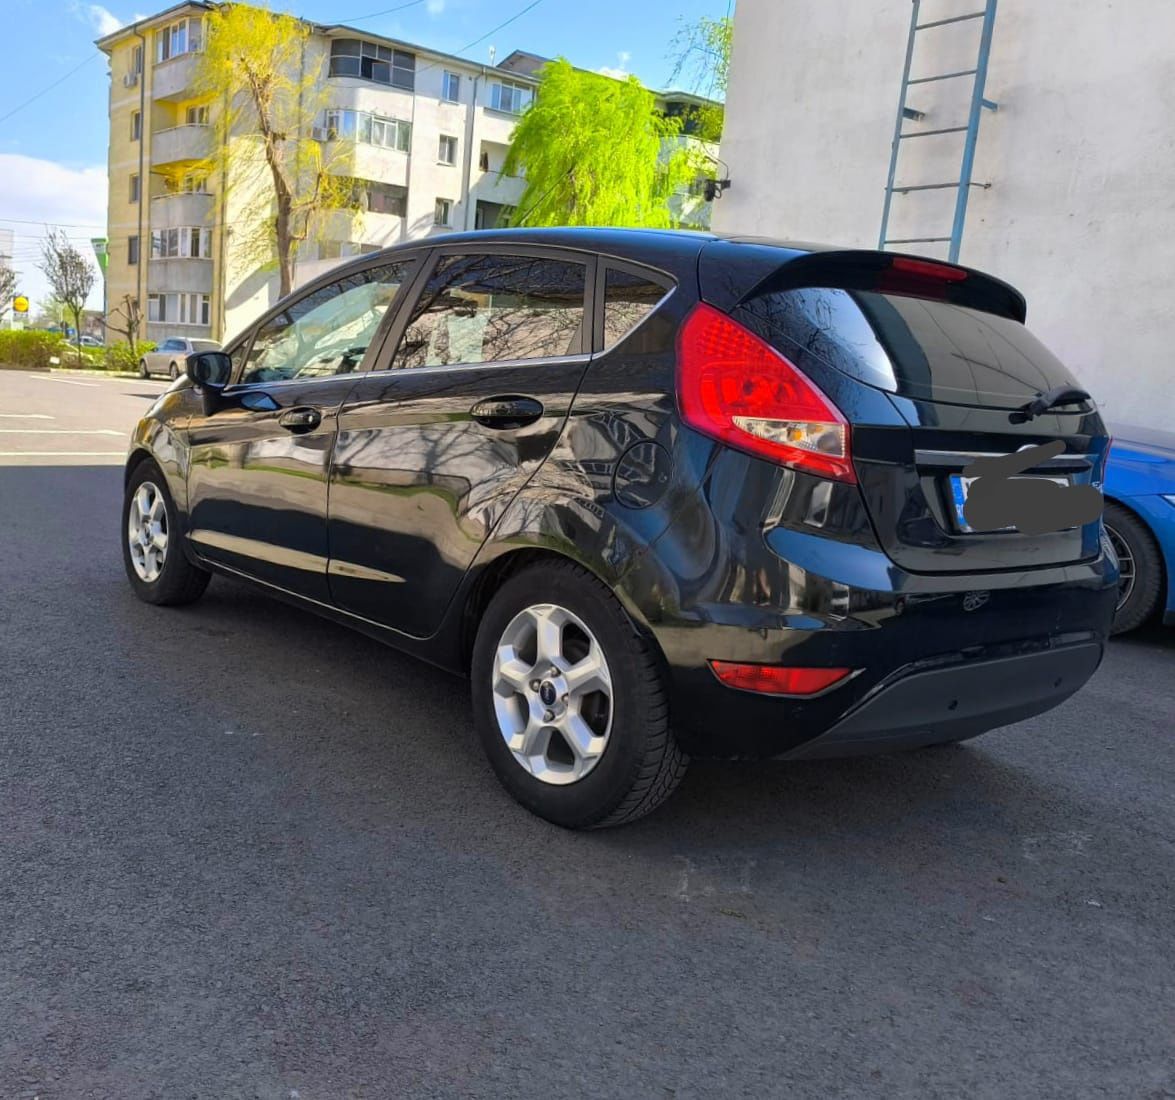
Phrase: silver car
pixel 169 357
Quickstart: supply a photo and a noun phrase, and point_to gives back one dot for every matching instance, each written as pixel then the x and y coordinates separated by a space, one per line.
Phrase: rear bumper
pixel 955 702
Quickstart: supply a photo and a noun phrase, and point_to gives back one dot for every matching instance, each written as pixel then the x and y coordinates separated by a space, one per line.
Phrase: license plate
pixel 960 486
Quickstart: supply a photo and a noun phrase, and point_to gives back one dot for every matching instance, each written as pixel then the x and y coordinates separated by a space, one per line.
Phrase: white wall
pixel 1080 155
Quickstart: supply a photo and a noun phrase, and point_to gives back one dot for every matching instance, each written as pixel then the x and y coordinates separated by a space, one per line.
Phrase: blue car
pixel 1140 521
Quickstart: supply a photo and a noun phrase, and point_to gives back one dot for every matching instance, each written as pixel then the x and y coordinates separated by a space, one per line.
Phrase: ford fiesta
pixel 658 495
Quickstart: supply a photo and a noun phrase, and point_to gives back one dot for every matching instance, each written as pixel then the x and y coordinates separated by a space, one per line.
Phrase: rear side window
pixel 920 348
pixel 629 297
pixel 485 309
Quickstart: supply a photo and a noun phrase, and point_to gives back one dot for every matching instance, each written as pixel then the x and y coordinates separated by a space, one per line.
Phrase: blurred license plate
pixel 961 485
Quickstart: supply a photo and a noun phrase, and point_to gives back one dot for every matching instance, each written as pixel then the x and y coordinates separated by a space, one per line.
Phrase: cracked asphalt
pixel 246 853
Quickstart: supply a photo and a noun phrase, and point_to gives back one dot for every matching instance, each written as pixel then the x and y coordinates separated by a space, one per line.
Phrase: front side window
pixel 628 299
pixel 485 309
pixel 326 332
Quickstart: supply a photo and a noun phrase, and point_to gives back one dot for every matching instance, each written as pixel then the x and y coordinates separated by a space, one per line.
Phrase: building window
pixel 390 133
pixel 451 87
pixel 371 61
pixel 136 125
pixel 510 98
pixel 194 183
pixel 134 190
pixel 137 60
pixel 179 38
pixel 132 250
pixel 180 309
pixel 197 116
pixel 483 162
pixel 189 242
pixel 447 152
pixel 386 198
pixel 444 212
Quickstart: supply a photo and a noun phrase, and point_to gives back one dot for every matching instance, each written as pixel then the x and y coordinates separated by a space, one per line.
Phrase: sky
pixel 53 150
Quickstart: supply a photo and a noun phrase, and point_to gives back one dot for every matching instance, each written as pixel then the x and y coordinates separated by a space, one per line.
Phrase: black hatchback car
pixel 658 494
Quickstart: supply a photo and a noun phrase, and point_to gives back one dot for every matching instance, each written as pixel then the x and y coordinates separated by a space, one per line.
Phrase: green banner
pixel 100 252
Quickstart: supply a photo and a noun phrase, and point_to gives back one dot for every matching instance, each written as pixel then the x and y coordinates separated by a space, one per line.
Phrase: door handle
pixel 300 419
pixel 507 412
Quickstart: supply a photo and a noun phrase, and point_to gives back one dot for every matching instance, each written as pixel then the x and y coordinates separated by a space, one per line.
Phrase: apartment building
pixel 424 136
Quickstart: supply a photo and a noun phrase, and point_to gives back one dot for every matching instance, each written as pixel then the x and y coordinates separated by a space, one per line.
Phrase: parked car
pixel 169 357
pixel 90 342
pixel 658 494
pixel 1140 522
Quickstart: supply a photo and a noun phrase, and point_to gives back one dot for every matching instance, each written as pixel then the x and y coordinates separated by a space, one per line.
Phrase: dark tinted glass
pixel 919 348
pixel 628 299
pixel 482 309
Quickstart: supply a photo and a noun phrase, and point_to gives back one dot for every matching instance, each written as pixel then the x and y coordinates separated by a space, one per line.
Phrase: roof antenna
pixel 493 54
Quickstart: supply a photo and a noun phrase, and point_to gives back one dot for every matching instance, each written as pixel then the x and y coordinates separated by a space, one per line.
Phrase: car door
pixel 260 455
pixel 466 401
pixel 158 360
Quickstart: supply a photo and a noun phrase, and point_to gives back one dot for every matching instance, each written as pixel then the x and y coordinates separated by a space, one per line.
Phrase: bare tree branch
pixel 71 277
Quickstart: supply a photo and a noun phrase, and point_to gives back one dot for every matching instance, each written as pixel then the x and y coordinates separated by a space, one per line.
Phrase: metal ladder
pixel 964 183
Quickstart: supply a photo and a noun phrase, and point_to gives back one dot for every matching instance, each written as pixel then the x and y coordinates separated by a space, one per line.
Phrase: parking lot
pixel 245 852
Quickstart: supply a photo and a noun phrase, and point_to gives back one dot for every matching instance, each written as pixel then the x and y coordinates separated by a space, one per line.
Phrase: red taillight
pixel 735 387
pixel 776 680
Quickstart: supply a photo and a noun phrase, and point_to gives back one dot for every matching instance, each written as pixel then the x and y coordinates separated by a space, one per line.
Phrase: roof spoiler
pixel 895 273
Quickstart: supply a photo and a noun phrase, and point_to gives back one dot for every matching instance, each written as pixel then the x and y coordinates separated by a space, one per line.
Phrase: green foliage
pixel 596 151
pixel 120 355
pixel 265 96
pixel 31 349
pixel 702 52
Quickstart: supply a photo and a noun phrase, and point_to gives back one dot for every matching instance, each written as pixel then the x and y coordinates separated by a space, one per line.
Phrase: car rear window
pixel 930 350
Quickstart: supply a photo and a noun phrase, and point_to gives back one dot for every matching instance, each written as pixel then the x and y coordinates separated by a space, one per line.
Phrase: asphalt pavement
pixel 247 853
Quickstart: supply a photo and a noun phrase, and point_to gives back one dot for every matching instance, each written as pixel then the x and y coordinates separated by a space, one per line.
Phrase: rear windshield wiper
pixel 1044 402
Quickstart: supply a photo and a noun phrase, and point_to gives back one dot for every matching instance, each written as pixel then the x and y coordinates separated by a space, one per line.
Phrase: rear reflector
pixel 777 680
pixel 736 388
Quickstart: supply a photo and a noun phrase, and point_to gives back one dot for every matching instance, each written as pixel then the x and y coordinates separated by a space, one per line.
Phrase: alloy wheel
pixel 552 694
pixel 147 531
pixel 1126 567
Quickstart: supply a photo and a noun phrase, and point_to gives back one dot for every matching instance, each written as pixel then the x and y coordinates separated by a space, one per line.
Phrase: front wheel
pixel 569 701
pixel 143 371
pixel 155 563
pixel 1140 564
pixel 173 372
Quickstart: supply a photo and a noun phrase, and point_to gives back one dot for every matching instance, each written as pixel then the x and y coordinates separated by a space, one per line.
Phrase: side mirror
pixel 209 369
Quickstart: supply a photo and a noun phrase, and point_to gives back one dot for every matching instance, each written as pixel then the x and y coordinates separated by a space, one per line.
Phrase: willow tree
pixel 265 91
pixel 597 151
pixel 702 56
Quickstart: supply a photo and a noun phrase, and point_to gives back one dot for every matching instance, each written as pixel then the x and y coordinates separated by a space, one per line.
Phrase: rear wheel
pixel 173 372
pixel 569 702
pixel 143 371
pixel 1140 585
pixel 155 563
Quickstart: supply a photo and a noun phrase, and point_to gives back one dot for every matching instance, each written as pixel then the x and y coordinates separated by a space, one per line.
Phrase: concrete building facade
pixel 1080 157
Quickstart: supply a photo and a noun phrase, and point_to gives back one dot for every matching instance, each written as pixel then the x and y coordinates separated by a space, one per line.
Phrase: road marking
pixel 63 381
pixel 62 454
pixel 25 416
pixel 60 431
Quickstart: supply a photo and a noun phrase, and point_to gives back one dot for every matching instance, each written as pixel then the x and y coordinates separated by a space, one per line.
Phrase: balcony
pixel 181 145
pixel 365 161
pixel 172 79
pixel 174 211
pixel 179 273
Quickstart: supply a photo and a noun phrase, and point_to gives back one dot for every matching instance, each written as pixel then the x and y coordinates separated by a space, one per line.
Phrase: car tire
pixel 640 763
pixel 173 372
pixel 143 371
pixel 1142 568
pixel 158 569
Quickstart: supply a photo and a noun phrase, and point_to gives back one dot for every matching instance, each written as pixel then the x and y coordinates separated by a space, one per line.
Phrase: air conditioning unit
pixel 130 80
pixel 320 133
